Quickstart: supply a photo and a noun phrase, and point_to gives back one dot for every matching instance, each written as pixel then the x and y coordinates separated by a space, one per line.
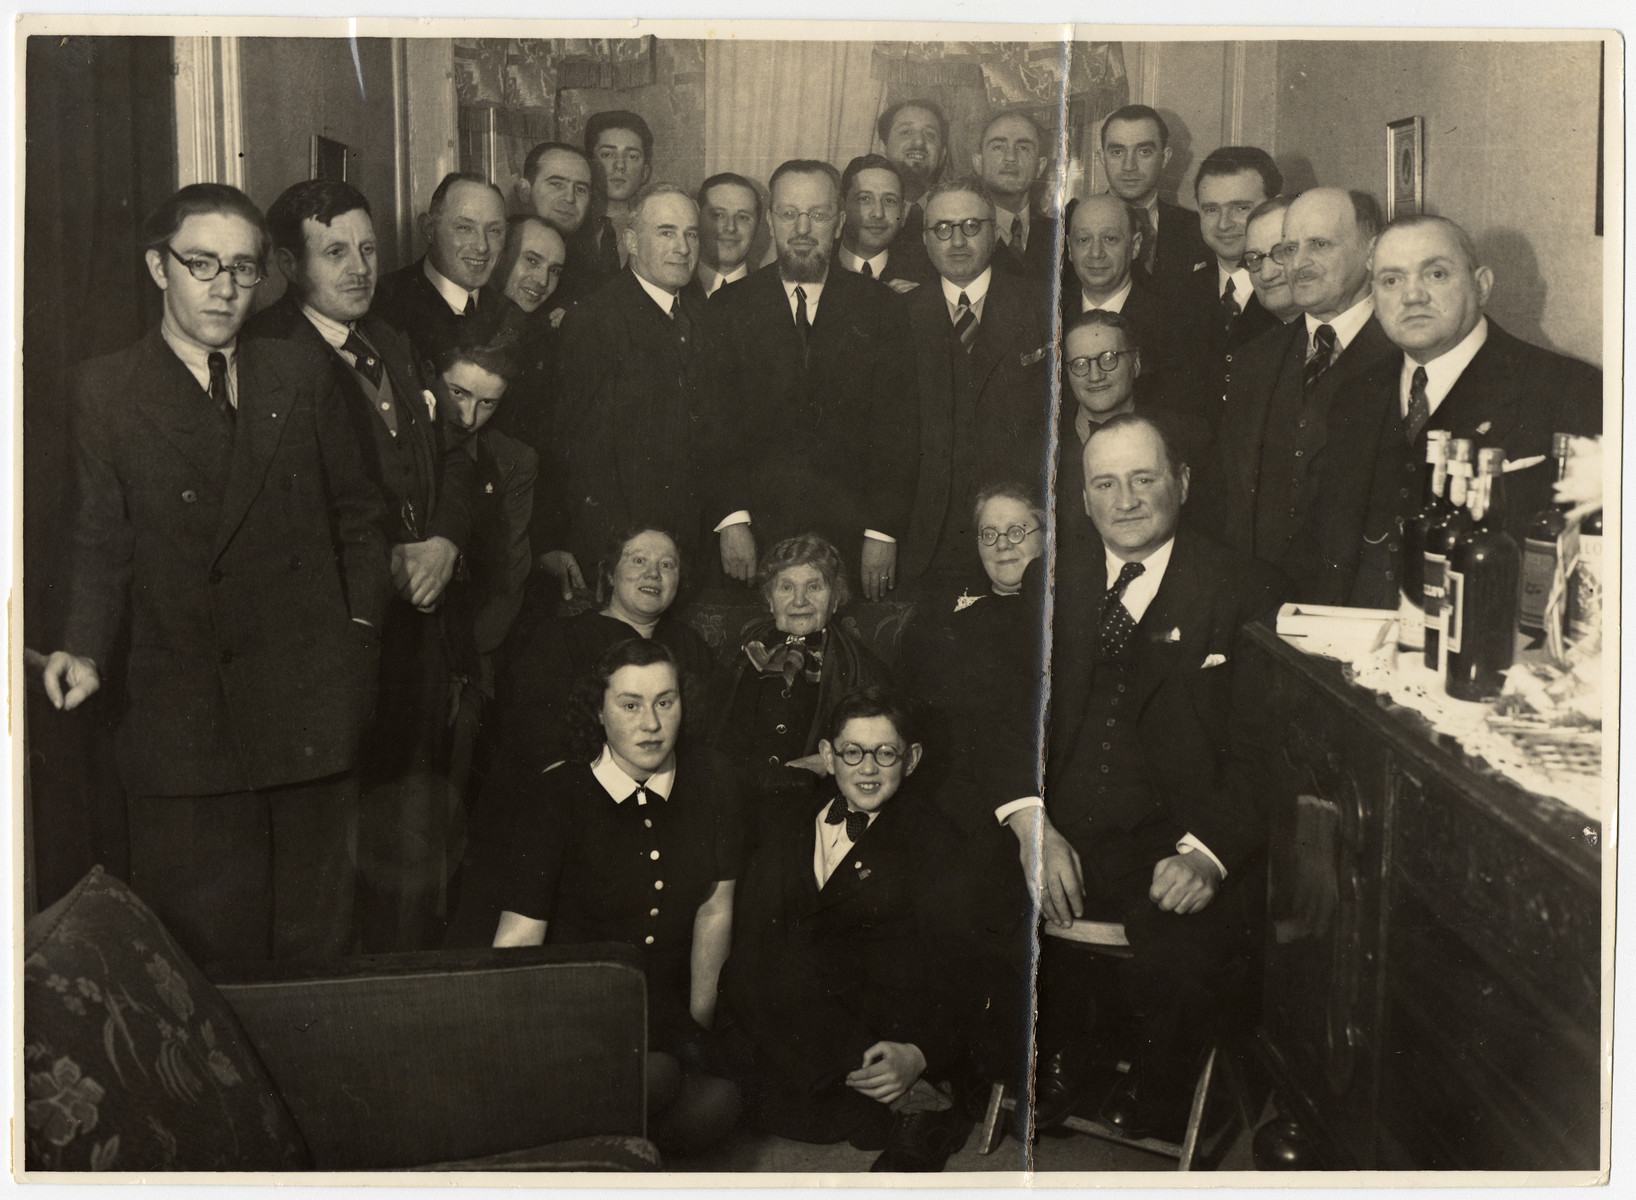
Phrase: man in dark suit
pixel 1135 152
pixel 324 241
pixel 842 999
pixel 225 513
pixel 823 431
pixel 1217 310
pixel 1104 243
pixel 1010 158
pixel 914 134
pixel 434 298
pixel 982 343
pixel 1149 819
pixel 1263 233
pixel 1459 371
pixel 642 366
pixel 1275 444
pixel 870 242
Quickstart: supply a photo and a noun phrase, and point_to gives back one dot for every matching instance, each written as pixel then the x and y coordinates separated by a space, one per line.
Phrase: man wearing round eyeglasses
pixel 820 433
pixel 1263 232
pixel 981 340
pixel 226 518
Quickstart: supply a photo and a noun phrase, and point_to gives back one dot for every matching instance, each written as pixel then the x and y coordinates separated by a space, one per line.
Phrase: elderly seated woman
pixel 769 700
pixel 635 839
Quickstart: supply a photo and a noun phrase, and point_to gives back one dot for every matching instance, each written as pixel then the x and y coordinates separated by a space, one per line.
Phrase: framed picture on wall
pixel 329 159
pixel 1405 166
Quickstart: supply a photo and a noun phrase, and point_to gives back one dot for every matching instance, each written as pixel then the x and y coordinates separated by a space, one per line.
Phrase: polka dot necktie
pixel 1118 626
pixel 856 822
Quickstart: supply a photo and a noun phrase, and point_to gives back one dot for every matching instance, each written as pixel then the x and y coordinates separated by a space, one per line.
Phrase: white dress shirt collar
pixel 712 280
pixel 1444 371
pixel 1140 591
pixel 333 332
pixel 975 291
pixel 1002 223
pixel 619 785
pixel 831 844
pixel 660 296
pixel 854 262
pixel 453 294
pixel 1114 303
pixel 1346 325
pixel 197 359
pixel 813 292
pixel 1243 289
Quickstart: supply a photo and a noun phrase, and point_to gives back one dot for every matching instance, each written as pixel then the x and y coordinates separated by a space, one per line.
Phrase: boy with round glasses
pixel 842 1001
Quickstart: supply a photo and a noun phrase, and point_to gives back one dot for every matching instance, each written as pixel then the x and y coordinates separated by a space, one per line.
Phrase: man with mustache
pixel 1135 152
pixel 872 196
pixel 914 134
pixel 822 432
pixel 642 366
pixel 729 212
pixel 1010 158
pixel 434 298
pixel 982 341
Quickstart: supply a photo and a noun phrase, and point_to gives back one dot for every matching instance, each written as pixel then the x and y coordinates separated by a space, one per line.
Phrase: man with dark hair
pixel 643 365
pixel 729 215
pixel 822 433
pixel 556 185
pixel 1276 437
pixel 1011 156
pixel 225 516
pixel 1217 311
pixel 620 146
pixel 872 198
pixel 1135 152
pixel 1150 816
pixel 982 341
pixel 914 135
pixel 433 300
pixel 325 246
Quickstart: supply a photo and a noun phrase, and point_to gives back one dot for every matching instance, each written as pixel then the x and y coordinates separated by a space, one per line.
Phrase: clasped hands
pixel 421 570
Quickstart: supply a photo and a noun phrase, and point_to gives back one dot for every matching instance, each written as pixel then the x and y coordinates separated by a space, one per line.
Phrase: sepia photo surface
pixel 666 389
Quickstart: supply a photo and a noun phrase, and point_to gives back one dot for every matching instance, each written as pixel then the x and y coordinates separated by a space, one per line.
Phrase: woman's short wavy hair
pixel 614 549
pixel 584 714
pixel 804 550
pixel 1009 490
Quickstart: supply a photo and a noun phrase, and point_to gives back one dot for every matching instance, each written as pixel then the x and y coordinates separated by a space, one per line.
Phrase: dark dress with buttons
pixel 601 871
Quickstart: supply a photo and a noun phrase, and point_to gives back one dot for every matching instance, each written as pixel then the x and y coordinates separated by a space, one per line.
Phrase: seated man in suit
pixel 982 342
pixel 822 431
pixel 225 519
pixel 1135 153
pixel 729 215
pixel 643 365
pixel 1010 158
pixel 434 298
pixel 872 196
pixel 1459 371
pixel 1277 440
pixel 840 1003
pixel 914 134
pixel 1262 234
pixel 1148 819
pixel 324 241
pixel 1217 310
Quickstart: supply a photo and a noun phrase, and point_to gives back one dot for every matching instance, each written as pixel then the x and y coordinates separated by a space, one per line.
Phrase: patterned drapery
pixel 525 74
pixel 1011 74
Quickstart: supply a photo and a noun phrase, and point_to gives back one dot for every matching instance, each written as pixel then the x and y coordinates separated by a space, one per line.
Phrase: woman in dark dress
pixel 770 699
pixel 975 665
pixel 635 841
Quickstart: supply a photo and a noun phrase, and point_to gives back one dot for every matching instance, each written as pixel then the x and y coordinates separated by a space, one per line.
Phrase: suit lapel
pixel 264 411
pixel 1173 634
pixel 1485 392
pixel 168 395
pixel 997 335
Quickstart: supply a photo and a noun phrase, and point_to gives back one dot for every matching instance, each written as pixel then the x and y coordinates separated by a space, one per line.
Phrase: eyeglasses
pixel 1107 360
pixel 789 216
pixel 1283 252
pixel 971 227
pixel 885 756
pixel 205 267
pixel 989 535
pixel 1254 260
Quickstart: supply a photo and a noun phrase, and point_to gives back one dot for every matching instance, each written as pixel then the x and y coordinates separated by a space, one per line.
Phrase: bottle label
pixel 1538 570
pixel 1585 589
pixel 1432 589
pixel 1411 624
pixel 1453 622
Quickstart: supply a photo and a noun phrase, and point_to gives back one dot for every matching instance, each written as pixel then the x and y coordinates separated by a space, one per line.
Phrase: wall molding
pixel 1232 101
pixel 209 111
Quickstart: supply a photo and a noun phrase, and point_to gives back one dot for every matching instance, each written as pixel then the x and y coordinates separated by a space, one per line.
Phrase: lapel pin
pixel 1175 635
pixel 1485 427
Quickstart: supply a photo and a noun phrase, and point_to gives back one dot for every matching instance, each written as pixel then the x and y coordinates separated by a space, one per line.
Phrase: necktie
pixel 1117 625
pixel 219 391
pixel 1015 240
pixel 1419 405
pixel 679 318
pixel 867 271
pixel 1229 305
pixel 471 305
pixel 640 795
pixel 856 822
pixel 1323 352
pixel 607 250
pixel 368 364
pixel 965 322
pixel 1150 242
pixel 803 324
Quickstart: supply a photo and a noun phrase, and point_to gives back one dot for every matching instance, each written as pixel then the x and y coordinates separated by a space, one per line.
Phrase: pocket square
pixel 1029 360
pixel 1213 660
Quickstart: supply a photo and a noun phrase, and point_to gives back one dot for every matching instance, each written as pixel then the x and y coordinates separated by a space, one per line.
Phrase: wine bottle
pixel 1539 550
pixel 1411 608
pixel 1440 537
pixel 1585 587
pixel 1480 627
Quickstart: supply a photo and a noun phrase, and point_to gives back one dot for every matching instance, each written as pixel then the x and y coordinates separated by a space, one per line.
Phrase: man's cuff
pixel 879 536
pixel 1190 843
pixel 741 517
pixel 1016 806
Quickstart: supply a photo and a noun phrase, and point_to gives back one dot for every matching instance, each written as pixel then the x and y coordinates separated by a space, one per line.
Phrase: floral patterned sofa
pixel 474 1060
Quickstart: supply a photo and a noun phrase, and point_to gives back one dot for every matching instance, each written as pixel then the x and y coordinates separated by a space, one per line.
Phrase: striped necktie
pixel 965 322
pixel 1323 353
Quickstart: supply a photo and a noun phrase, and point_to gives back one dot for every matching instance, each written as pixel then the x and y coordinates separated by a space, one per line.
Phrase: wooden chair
pixel 1108 938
